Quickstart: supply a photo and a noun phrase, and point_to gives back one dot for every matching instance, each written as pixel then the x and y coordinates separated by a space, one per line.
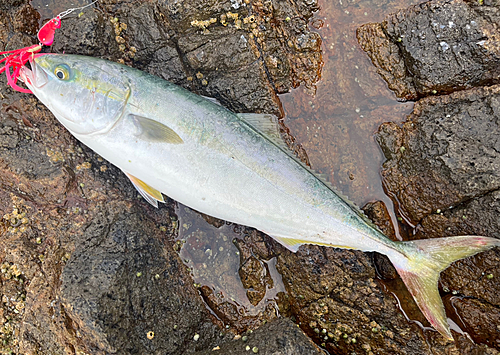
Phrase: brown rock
pixel 280 336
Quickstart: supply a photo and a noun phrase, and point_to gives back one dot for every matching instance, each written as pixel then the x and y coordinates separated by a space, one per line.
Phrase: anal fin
pixel 149 193
pixel 293 244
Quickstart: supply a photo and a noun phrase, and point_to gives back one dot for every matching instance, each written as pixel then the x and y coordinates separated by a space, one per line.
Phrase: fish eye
pixel 62 72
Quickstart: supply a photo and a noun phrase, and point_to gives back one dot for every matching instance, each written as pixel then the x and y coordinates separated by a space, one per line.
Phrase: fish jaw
pixel 36 78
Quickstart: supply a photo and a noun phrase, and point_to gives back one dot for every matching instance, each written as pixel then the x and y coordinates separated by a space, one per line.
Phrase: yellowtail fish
pixel 170 141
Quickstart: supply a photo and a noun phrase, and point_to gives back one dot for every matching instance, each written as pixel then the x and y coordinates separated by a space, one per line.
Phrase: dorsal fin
pixel 266 124
pixel 212 99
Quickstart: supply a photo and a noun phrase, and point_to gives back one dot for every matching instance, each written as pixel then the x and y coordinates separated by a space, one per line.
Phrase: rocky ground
pixel 442 162
pixel 87 267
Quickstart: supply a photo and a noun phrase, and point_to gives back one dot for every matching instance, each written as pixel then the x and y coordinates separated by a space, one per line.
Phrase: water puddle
pixel 336 126
pixel 214 261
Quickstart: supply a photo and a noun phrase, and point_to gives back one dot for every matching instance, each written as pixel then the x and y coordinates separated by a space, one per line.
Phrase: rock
pixel 90 34
pixel 447 153
pixel 275 338
pixel 130 293
pixel 254 271
pixel 234 51
pixel 230 314
pixel 336 300
pixel 378 213
pixel 255 278
pixel 470 283
pixel 386 57
pixel 435 47
pixel 467 313
pixel 442 162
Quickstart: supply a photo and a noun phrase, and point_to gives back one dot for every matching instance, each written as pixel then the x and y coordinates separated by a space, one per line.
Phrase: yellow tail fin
pixel 424 260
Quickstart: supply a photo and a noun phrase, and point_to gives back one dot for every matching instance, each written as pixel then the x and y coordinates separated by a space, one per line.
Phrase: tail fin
pixel 423 262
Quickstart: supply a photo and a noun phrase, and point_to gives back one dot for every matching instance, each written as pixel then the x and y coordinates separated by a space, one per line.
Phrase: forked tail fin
pixel 423 262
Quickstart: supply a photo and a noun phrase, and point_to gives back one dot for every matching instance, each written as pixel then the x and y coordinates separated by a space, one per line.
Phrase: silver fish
pixel 230 166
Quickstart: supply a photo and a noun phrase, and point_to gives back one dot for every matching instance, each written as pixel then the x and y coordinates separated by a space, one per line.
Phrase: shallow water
pixel 336 126
pixel 335 123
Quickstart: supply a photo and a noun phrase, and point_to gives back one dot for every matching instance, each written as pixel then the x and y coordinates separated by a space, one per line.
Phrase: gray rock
pixel 89 34
pixel 130 293
pixel 436 47
pixel 447 152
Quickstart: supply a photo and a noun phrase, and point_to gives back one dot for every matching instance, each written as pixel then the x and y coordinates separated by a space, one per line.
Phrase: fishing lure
pixel 15 59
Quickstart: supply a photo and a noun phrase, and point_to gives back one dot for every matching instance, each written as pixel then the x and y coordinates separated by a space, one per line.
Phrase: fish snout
pixel 34 78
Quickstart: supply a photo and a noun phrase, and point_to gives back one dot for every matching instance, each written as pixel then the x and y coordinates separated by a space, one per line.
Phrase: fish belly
pixel 227 169
pixel 213 161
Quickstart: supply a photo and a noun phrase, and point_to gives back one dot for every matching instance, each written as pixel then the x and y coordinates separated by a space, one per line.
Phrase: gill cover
pixel 87 95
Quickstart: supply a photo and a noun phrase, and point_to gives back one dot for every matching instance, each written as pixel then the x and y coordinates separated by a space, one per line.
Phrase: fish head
pixel 86 95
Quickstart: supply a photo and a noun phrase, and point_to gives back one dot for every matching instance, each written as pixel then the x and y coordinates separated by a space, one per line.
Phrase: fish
pixel 232 166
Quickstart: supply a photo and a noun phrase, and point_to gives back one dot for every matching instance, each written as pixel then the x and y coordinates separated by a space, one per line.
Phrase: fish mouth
pixel 34 78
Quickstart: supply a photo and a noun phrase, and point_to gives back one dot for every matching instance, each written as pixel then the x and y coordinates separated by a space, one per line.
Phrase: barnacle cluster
pixel 16 221
pixel 203 24
pixel 120 38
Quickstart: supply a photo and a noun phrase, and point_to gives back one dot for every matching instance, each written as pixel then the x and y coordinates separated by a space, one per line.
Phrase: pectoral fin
pixel 150 194
pixel 154 131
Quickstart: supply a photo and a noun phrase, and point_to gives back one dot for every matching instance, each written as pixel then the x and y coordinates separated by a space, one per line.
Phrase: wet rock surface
pixel 131 293
pixel 445 154
pixel 471 285
pixel 442 166
pixel 234 268
pixel 436 47
pixel 334 296
pixel 442 162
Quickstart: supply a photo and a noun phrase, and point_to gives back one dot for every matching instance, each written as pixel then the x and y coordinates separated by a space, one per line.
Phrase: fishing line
pixel 46 33
pixel 15 59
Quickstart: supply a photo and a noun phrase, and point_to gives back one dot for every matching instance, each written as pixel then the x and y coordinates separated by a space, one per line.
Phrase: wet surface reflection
pixel 214 260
